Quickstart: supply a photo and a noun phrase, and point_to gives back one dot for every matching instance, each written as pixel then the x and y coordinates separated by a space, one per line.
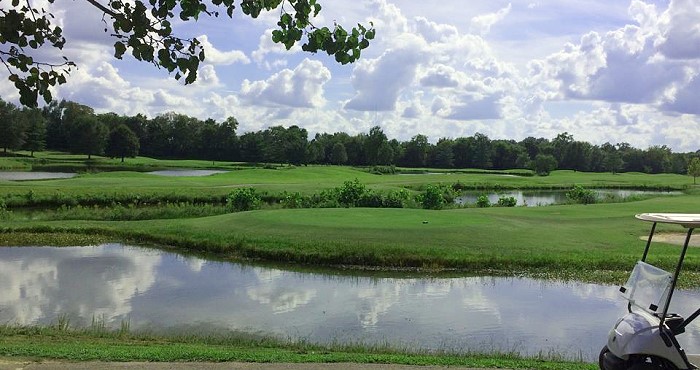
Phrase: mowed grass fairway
pixel 585 242
pixel 310 179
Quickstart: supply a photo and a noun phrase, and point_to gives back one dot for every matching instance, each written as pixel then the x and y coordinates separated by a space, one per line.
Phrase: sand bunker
pixel 674 238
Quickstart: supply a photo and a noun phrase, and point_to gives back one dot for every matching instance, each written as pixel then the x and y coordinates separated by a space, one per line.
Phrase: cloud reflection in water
pixel 159 290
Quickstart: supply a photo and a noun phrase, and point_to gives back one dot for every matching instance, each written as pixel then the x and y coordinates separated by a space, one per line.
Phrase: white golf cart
pixel 645 337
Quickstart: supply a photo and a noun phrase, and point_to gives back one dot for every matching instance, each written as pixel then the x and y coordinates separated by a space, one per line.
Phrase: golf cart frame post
pixel 690 225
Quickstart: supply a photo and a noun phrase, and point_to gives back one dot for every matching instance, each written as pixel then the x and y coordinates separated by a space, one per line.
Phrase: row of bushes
pixel 350 194
pixel 579 194
pixel 130 212
pixel 58 199
pixel 483 201
pixel 355 194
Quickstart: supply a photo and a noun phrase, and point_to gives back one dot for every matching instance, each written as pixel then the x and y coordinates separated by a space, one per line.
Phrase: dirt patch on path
pixel 674 238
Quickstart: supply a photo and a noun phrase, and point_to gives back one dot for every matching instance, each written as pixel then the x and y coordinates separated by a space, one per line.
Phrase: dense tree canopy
pixel 144 29
pixel 87 136
pixel 69 126
pixel 338 154
pixel 11 127
pixel 694 169
pixel 543 164
pixel 416 153
pixel 122 143
pixel 442 156
pixel 36 131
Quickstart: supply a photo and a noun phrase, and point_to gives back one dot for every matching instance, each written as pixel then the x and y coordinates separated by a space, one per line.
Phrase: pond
pixel 162 291
pixel 183 173
pixel 21 176
pixel 536 198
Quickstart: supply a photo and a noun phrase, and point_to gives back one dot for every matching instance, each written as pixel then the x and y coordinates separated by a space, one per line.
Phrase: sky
pixel 601 70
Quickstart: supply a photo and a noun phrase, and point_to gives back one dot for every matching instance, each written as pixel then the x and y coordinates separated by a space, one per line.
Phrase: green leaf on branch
pixel 119 50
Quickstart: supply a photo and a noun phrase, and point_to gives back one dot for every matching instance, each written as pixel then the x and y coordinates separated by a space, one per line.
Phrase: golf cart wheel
pixel 646 366
pixel 608 361
pixel 652 363
pixel 601 357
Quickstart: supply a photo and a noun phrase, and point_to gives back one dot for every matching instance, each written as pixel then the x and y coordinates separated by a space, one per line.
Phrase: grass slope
pixel 87 345
pixel 593 243
pixel 309 179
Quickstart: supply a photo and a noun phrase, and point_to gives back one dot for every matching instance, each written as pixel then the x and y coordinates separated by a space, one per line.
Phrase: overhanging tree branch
pixel 102 8
pixel 145 30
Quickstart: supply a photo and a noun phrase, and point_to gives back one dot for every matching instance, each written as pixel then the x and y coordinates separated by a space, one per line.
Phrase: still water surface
pixel 536 198
pixel 21 175
pixel 158 290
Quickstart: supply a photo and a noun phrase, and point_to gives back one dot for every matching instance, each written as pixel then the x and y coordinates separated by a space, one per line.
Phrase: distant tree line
pixel 75 128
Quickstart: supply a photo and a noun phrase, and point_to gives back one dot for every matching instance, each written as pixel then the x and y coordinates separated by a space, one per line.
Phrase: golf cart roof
pixel 687 220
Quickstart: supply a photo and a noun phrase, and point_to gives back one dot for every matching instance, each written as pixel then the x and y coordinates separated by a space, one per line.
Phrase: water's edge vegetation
pixel 96 343
pixel 593 243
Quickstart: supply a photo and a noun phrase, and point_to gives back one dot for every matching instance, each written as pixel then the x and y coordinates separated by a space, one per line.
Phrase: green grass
pixel 120 212
pixel 57 239
pixel 591 243
pixel 100 345
pixel 306 179
pixel 313 179
pixel 11 164
pixel 60 158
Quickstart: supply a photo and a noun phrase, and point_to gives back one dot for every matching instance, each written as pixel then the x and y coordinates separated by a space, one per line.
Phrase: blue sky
pixel 604 71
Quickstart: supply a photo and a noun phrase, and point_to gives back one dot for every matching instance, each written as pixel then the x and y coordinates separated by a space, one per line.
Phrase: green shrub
pixel 57 199
pixel 325 199
pixel 396 199
pixel 543 164
pixel 436 196
pixel 30 197
pixel 448 193
pixel 383 170
pixel 432 198
pixel 292 200
pixel 579 194
pixel 371 199
pixel 507 201
pixel 243 199
pixel 4 212
pixel 350 193
pixel 130 212
pixel 483 201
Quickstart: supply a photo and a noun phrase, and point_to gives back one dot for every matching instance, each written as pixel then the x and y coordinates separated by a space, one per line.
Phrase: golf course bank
pixel 582 242
pixel 192 215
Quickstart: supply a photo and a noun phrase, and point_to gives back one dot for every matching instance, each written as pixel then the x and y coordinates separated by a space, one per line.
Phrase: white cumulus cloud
pixel 482 24
pixel 218 57
pixel 301 87
pixel 378 82
pixel 681 30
